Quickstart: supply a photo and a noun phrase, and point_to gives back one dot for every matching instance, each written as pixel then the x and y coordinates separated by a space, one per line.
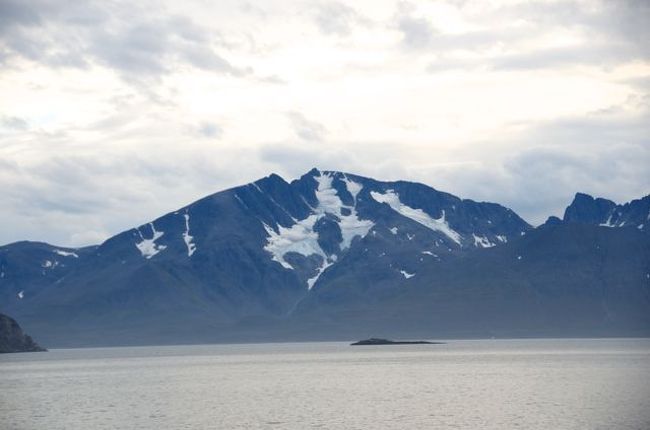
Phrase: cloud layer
pixel 113 113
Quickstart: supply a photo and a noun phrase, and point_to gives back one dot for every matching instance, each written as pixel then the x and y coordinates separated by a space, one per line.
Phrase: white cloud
pixel 182 100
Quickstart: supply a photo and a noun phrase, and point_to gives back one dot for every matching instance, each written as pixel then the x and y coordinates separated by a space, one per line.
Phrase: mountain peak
pixel 586 209
pixel 313 172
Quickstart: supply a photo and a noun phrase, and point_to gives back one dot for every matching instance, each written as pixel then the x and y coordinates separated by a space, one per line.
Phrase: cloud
pixel 14 13
pixel 78 198
pixel 210 130
pixel 85 238
pixel 540 169
pixel 529 35
pixel 337 18
pixel 521 103
pixel 122 37
pixel 306 129
pixel 416 32
pixel 13 123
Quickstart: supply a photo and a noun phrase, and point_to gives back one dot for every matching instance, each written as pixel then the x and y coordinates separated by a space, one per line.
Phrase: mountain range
pixel 333 255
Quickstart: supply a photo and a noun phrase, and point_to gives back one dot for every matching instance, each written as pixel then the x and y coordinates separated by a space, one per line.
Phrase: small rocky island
pixel 376 341
pixel 12 338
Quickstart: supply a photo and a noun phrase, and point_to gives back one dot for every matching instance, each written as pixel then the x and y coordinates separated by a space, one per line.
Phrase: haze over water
pixel 493 384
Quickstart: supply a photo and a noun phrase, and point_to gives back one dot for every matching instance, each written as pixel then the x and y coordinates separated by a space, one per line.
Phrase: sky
pixel 113 113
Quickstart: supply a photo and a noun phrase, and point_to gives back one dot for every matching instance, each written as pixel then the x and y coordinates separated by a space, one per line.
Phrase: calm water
pixel 491 384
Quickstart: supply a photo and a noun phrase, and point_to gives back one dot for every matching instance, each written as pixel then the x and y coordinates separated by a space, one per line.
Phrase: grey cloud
pixel 155 47
pixel 306 129
pixel 551 176
pixel 203 57
pixel 13 13
pixel 624 21
pixel 376 159
pixel 210 130
pixel 290 160
pixel 537 174
pixel 62 198
pixel 337 18
pixel 603 55
pixel 613 33
pixel 132 41
pixel 416 32
pixel 272 79
pixel 253 9
pixel 13 123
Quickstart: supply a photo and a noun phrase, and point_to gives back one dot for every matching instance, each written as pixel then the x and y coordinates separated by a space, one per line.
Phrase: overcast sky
pixel 113 113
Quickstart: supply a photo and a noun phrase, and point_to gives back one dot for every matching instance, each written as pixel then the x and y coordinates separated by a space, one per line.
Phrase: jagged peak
pixel 553 220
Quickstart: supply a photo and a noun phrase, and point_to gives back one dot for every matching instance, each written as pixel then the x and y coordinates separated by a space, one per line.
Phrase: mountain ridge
pixel 263 251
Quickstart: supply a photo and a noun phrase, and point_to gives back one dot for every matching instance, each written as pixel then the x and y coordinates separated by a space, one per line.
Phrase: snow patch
pixel 148 247
pixel 519 257
pixel 406 274
pixel 354 188
pixel 503 239
pixel 191 247
pixel 393 230
pixel 301 237
pixel 241 202
pixel 410 236
pixel 607 223
pixel 329 202
pixel 482 241
pixel 418 215
pixel 321 269
pixel 66 253
pixel 21 294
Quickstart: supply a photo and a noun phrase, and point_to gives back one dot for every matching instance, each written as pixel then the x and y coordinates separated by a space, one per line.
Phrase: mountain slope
pixel 273 259
pixel 556 280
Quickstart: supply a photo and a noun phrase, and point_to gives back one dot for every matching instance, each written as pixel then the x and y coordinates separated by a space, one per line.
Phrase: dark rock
pixel 598 211
pixel 12 338
pixel 553 220
pixel 376 341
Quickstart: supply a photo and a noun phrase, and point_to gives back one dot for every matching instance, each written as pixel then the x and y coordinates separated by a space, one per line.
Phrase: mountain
pixel 12 338
pixel 329 255
pixel 588 210
pixel 27 268
pixel 556 281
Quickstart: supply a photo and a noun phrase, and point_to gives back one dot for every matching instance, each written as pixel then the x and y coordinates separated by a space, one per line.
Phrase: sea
pixel 462 384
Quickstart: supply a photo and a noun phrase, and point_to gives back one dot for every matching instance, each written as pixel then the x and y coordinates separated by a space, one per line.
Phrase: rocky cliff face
pixel 598 211
pixel 12 338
